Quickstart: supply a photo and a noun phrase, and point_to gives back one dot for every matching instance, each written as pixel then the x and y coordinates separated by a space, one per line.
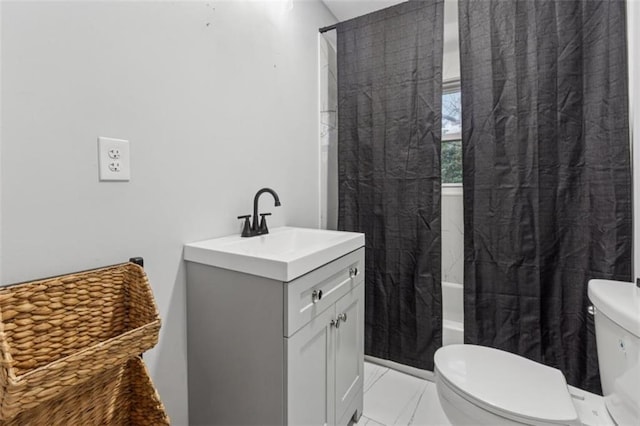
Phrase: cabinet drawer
pixel 318 290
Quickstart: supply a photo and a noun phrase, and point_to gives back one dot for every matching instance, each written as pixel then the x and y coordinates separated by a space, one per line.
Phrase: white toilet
pixel 478 385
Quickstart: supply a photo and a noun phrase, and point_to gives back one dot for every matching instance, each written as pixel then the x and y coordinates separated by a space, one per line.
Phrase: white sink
pixel 284 254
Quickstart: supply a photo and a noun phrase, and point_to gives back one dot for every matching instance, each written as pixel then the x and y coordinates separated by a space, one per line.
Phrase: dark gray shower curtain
pixel 389 94
pixel 547 182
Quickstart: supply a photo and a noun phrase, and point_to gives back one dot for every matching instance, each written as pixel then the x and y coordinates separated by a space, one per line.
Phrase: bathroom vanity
pixel 276 328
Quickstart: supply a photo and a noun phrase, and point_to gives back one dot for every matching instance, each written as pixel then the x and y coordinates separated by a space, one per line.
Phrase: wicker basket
pixel 60 332
pixel 123 395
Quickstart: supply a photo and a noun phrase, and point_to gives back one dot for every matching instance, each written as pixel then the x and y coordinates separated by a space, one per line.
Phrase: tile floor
pixel 394 398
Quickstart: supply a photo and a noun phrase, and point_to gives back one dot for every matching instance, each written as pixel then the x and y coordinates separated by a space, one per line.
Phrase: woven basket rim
pixel 84 271
pixel 25 377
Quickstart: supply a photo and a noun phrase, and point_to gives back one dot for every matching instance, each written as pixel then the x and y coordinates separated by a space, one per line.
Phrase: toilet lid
pixel 506 384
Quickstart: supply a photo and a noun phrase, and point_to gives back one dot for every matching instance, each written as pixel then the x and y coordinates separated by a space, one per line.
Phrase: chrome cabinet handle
pixel 336 322
pixel 316 296
pixel 353 272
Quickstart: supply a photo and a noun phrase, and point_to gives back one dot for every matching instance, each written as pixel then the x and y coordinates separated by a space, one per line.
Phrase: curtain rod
pixel 329 28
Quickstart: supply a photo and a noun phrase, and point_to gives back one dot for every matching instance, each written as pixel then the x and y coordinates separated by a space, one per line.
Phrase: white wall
pixel 451 46
pixel 1 121
pixel 218 100
pixel 328 131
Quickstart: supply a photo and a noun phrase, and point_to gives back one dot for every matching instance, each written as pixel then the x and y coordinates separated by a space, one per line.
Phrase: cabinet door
pixel 349 350
pixel 310 372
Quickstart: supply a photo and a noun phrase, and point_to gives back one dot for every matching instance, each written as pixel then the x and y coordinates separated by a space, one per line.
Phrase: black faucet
pixel 255 228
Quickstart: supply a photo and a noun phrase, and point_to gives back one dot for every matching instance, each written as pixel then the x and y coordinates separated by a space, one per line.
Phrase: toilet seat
pixel 506 384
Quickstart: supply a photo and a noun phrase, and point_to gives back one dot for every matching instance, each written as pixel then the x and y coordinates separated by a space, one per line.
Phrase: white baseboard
pixel 417 372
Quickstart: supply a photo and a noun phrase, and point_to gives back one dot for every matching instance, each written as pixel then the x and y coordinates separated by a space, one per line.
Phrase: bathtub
pixel 452 314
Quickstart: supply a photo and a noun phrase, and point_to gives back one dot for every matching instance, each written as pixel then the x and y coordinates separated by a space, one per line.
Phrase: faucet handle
pixel 246 228
pixel 263 223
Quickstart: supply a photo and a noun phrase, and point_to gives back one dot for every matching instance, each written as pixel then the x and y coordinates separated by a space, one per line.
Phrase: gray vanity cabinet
pixel 267 352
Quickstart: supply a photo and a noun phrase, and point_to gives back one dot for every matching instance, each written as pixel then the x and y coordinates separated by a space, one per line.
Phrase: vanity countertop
pixel 284 254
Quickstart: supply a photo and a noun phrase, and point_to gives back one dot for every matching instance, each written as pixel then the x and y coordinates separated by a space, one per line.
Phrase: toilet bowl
pixel 479 385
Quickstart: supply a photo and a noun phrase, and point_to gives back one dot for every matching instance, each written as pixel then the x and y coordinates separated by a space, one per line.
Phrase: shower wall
pixel 328 130
pixel 452 235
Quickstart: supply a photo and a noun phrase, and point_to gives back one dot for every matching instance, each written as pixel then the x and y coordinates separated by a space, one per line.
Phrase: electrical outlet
pixel 115 166
pixel 113 159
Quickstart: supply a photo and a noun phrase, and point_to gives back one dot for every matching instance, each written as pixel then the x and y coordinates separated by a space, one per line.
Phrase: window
pixel 451 158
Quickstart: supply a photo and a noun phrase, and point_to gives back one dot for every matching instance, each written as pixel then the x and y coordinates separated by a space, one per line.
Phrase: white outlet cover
pixel 110 168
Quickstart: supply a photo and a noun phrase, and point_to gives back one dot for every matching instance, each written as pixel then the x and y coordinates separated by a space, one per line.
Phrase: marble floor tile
pixel 372 373
pixel 365 421
pixel 428 411
pixel 392 397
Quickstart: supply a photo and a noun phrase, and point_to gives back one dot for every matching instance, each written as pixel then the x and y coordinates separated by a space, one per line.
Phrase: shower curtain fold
pixel 389 126
pixel 547 178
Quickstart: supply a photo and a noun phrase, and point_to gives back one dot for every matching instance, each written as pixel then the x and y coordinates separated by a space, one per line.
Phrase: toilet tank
pixel 617 321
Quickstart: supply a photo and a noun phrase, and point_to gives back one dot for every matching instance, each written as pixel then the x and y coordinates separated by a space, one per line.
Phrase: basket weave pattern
pixel 123 395
pixel 60 332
